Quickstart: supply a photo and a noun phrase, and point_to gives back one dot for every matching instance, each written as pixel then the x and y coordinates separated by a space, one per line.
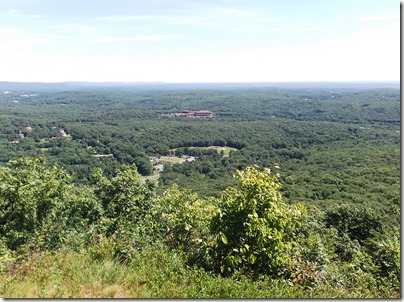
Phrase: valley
pixel 126 173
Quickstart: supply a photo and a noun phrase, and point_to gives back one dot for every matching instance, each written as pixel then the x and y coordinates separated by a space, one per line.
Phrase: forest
pixel 285 191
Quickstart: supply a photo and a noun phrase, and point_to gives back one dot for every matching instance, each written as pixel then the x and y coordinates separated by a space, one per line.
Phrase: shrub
pixel 183 218
pixel 31 197
pixel 357 221
pixel 385 251
pixel 253 227
pixel 125 200
pixel 126 203
pixel 183 223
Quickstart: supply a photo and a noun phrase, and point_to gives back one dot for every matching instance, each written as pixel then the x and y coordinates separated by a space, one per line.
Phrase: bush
pixel 357 221
pixel 31 197
pixel 253 227
pixel 184 218
pixel 125 200
pixel 127 207
pixel 183 223
pixel 385 251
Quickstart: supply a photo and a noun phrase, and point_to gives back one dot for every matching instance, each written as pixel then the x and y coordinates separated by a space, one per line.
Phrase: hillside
pixel 283 192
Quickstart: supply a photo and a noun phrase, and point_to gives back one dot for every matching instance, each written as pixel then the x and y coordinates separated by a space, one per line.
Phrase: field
pixel 226 150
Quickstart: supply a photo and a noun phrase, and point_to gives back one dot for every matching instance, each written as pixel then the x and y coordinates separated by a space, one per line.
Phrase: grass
pixel 153 273
pixel 226 149
pixel 218 149
pixel 171 159
pixel 163 160
pixel 68 275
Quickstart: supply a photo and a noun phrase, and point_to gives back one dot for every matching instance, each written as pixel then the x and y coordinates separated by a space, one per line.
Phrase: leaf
pixel 251 259
pixel 223 238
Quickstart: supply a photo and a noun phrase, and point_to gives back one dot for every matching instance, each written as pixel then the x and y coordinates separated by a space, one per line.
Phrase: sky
pixel 183 41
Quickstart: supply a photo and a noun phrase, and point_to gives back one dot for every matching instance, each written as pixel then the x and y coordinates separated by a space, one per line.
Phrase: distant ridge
pixel 52 86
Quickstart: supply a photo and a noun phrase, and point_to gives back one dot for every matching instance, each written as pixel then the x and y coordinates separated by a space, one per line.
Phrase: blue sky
pixel 199 40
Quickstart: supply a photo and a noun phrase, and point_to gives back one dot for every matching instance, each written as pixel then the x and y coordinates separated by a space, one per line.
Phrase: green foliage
pixel 125 200
pixel 255 229
pixel 184 218
pixel 31 199
pixel 340 154
pixel 6 256
pixel 127 206
pixel 356 221
pixel 114 231
pixel 385 252
pixel 160 272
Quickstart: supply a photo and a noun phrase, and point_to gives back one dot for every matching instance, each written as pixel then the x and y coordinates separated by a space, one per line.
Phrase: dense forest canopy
pixel 301 129
pixel 336 148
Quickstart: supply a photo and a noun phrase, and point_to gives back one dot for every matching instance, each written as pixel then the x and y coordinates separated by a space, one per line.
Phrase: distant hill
pixel 42 86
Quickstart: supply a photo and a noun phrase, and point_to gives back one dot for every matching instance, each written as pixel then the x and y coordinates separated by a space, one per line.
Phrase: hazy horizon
pixel 8 87
pixel 223 82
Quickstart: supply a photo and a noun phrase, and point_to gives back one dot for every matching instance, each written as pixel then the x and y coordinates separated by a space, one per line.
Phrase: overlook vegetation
pixel 303 201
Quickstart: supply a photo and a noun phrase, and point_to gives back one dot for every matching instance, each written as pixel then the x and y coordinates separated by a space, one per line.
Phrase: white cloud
pixel 12 39
pixel 147 38
pixel 130 18
pixel 367 55
pixel 238 12
pixel 372 56
pixel 20 14
pixel 302 28
pixel 376 18
pixel 76 28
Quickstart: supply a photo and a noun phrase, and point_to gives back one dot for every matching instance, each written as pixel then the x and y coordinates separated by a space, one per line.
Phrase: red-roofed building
pixel 206 113
pixel 196 113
